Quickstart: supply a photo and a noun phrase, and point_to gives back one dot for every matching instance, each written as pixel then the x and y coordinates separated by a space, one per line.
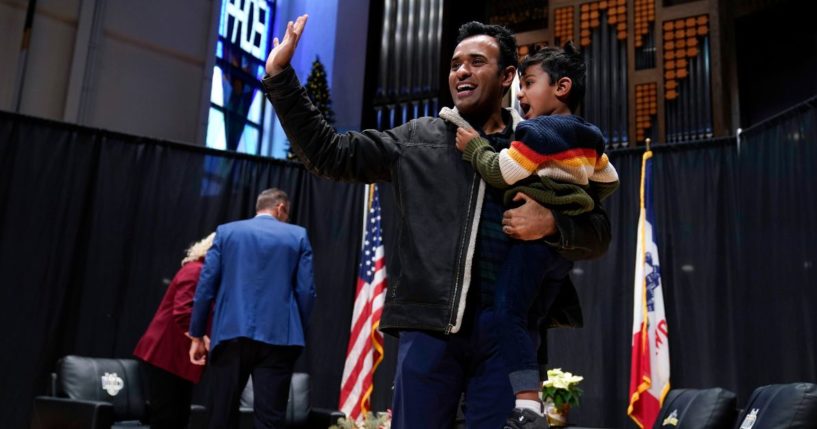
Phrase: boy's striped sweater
pixel 565 151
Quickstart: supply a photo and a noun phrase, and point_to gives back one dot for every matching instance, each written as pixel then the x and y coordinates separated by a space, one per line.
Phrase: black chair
pixel 713 408
pixel 91 393
pixel 300 415
pixel 776 406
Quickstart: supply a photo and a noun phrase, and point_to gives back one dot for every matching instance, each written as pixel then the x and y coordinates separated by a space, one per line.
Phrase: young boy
pixel 558 159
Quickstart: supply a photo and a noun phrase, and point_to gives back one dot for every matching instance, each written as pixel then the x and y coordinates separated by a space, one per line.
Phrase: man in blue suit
pixel 259 272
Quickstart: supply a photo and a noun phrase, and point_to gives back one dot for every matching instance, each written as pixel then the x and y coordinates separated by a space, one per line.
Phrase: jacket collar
pixel 453 116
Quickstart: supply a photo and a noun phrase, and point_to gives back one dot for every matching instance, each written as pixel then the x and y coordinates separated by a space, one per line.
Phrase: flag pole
pixel 649 372
pixel 375 336
pixel 640 382
pixel 365 346
pixel 368 191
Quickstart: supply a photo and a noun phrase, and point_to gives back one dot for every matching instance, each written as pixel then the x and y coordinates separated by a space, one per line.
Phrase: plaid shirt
pixel 492 243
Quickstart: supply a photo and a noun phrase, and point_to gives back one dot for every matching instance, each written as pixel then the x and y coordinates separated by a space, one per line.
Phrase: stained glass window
pixel 240 119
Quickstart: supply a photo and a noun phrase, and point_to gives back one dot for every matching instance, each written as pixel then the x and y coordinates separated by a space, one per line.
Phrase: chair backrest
pixel 697 409
pixel 776 406
pixel 117 381
pixel 297 404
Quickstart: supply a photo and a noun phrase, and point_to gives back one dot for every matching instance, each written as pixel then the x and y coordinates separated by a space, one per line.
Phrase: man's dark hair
pixel 269 199
pixel 561 62
pixel 504 38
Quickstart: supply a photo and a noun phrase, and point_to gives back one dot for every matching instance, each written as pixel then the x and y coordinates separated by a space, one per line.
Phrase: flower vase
pixel 557 416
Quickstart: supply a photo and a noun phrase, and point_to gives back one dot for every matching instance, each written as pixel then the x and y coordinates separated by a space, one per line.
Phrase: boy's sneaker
pixel 525 419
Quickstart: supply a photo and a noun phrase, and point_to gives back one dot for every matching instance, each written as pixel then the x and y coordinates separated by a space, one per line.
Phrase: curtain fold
pixel 737 234
pixel 779 248
pixel 93 225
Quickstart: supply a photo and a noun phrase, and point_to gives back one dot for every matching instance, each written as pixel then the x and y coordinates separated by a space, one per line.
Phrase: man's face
pixel 475 79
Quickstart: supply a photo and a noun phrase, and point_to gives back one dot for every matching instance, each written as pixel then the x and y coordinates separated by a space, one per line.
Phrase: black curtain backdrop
pixel 94 224
pixel 738 247
pixel 696 212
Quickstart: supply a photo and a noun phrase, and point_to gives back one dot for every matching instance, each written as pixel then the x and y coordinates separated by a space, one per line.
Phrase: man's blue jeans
pixel 434 370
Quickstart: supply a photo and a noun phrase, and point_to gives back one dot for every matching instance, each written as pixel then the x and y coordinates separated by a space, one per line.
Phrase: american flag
pixel 365 349
pixel 649 373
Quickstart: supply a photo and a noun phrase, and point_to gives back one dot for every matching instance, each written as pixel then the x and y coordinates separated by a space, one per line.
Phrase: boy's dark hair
pixel 504 37
pixel 558 63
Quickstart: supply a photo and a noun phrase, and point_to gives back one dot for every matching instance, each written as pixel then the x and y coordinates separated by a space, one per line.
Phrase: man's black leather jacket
pixel 439 199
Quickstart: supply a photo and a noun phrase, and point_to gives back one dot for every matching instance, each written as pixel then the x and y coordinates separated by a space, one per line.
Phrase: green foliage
pixel 562 388
pixel 370 421
pixel 318 90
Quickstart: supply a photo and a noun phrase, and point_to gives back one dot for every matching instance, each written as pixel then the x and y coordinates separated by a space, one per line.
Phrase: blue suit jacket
pixel 259 271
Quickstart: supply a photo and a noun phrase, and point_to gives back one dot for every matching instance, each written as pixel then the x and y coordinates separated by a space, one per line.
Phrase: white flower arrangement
pixel 381 420
pixel 562 388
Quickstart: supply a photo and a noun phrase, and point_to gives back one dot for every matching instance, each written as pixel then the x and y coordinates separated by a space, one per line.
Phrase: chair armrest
pixel 64 413
pixel 323 417
pixel 198 417
pixel 245 418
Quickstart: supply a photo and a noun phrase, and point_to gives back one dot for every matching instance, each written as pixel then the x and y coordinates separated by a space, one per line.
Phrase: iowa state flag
pixel 649 371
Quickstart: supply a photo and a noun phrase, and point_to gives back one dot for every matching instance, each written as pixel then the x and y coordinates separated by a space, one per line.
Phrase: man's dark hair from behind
pixel 504 37
pixel 561 62
pixel 270 198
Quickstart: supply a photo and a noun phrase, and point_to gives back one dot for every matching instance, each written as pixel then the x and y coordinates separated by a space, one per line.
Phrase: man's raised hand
pixel 282 52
